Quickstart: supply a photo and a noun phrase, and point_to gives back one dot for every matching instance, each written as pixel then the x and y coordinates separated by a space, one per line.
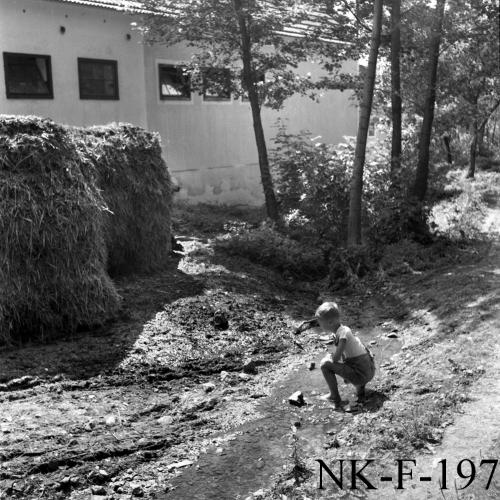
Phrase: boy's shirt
pixel 353 346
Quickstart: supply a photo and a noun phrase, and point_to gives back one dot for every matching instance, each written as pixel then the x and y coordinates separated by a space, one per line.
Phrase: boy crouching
pixel 351 359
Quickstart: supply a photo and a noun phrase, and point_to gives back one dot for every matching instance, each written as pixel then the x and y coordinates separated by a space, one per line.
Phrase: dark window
pixel 27 76
pixel 98 79
pixel 216 84
pixel 175 83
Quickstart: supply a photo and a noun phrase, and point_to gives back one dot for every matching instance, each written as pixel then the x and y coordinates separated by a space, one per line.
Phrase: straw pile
pixel 136 187
pixel 52 249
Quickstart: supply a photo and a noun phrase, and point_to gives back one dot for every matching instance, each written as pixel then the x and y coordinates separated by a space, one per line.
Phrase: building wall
pixel 209 146
pixel 33 27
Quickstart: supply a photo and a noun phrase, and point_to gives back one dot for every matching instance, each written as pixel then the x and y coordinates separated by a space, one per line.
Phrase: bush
pixel 347 266
pixel 268 247
pixel 312 182
pixel 312 185
pixel 52 251
pixel 129 170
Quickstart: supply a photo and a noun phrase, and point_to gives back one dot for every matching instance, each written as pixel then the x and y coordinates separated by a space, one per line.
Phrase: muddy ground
pixel 159 405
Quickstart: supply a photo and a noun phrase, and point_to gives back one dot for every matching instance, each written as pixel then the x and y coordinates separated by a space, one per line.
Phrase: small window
pixel 98 79
pixel 216 84
pixel 27 76
pixel 175 83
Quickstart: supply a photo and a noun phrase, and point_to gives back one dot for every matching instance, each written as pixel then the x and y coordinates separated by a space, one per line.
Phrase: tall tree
pixel 422 173
pixel 248 38
pixel 356 189
pixel 395 86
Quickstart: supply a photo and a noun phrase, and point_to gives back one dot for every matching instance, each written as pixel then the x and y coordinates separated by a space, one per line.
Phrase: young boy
pixel 351 360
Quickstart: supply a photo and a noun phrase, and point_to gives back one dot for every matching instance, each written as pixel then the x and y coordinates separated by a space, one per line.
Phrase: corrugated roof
pixel 119 5
pixel 295 30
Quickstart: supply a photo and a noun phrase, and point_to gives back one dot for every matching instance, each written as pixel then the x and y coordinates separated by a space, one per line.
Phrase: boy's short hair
pixel 328 310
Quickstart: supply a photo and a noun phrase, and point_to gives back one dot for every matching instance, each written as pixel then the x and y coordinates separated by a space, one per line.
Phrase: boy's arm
pixel 340 349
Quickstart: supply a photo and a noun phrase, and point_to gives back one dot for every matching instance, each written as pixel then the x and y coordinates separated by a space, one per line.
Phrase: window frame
pixel 172 98
pixel 101 97
pixel 7 74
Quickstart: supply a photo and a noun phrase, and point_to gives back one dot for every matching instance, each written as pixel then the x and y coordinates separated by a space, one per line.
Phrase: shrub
pixel 52 250
pixel 312 183
pixel 129 170
pixel 268 247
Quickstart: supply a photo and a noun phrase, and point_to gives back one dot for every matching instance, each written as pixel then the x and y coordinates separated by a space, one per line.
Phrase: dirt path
pixel 156 404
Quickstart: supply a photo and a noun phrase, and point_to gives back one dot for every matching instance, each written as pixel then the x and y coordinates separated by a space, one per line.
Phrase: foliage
pixel 53 254
pixel 212 29
pixel 468 74
pixel 312 182
pixel 274 249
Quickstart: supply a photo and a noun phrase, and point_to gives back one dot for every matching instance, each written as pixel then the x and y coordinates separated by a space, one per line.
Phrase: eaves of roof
pixel 133 7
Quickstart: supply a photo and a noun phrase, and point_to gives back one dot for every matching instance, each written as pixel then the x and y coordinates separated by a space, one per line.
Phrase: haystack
pixel 136 186
pixel 52 248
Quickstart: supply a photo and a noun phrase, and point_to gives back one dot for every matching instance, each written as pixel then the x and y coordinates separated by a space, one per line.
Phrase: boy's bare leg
pixel 328 370
pixel 360 393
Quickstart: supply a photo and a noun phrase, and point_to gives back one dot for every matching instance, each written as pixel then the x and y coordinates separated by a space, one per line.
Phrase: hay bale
pixel 52 250
pixel 137 189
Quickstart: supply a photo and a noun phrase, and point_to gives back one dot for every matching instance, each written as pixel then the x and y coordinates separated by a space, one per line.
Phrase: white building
pixel 80 62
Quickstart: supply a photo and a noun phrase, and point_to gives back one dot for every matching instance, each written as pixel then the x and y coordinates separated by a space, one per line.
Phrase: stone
pixel 208 387
pixel 165 420
pixel 297 399
pixel 66 482
pixel 99 476
pixel 136 490
pixel 392 335
pixel 249 367
pixel 312 365
pixel 220 320
pixel 98 490
pixel 110 420
pixel 178 465
pixel 89 426
pixel 244 376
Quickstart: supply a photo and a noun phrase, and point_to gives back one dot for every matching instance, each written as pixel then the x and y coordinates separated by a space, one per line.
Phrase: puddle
pixel 261 447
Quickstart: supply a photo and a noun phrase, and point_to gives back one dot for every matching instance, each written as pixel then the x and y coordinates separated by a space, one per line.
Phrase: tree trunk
pixel 477 139
pixel 395 86
pixel 249 81
pixel 356 190
pixel 446 142
pixel 473 151
pixel 480 139
pixel 420 185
